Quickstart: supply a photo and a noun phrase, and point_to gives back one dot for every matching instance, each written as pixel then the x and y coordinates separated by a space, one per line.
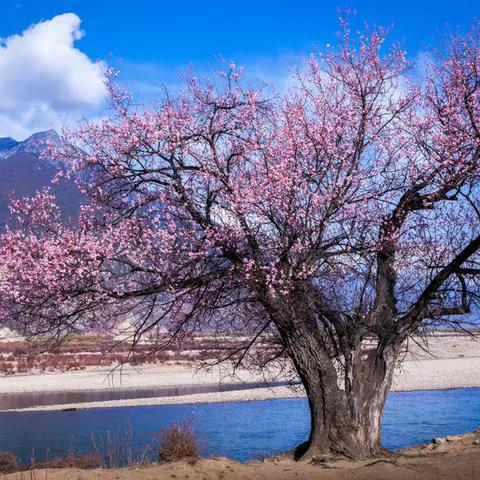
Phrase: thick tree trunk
pixel 344 421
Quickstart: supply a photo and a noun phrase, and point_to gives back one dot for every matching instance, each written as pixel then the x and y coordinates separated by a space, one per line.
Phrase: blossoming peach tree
pixel 327 224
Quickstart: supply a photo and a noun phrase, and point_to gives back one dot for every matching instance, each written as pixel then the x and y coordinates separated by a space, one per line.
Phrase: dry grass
pixel 178 442
pixel 8 463
pixel 80 352
pixel 85 461
pixel 121 449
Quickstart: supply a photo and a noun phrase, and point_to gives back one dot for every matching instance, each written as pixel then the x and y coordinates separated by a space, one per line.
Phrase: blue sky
pixel 150 41
pixel 173 33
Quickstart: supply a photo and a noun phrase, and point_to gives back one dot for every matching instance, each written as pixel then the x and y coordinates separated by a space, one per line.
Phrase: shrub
pixel 8 463
pixel 178 442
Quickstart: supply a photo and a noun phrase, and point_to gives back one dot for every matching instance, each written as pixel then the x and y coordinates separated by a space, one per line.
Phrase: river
pixel 240 430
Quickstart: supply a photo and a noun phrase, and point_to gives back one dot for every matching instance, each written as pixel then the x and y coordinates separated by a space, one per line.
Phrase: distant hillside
pixel 23 172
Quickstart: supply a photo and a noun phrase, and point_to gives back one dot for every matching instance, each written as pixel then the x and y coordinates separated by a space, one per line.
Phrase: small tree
pixel 337 219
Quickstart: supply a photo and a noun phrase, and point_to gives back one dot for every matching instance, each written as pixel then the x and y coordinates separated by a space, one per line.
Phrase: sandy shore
pixel 456 459
pixel 453 362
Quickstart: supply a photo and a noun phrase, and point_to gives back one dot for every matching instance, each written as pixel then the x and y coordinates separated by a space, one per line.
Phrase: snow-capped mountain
pixel 23 171
pixel 36 144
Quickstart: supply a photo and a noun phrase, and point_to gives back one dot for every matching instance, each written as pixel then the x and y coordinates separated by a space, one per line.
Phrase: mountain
pixel 35 145
pixel 6 143
pixel 23 171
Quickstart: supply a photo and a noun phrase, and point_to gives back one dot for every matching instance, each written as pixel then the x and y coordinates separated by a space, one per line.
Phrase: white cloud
pixel 45 81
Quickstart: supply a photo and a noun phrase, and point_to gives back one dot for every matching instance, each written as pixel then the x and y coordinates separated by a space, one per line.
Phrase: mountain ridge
pixel 25 170
pixel 36 144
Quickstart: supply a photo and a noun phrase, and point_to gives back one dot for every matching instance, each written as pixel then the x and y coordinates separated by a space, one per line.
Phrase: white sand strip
pixel 105 378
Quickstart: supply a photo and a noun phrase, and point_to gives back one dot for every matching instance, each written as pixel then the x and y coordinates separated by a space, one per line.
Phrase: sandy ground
pixel 453 361
pixel 458 458
pixel 126 377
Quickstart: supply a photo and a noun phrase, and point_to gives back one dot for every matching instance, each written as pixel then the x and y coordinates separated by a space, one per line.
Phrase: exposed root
pixel 383 460
pixel 315 456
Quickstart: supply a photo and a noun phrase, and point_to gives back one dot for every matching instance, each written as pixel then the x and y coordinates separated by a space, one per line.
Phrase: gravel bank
pixel 456 364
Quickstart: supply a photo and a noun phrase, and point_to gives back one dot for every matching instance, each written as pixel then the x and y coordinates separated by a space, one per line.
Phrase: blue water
pixel 243 431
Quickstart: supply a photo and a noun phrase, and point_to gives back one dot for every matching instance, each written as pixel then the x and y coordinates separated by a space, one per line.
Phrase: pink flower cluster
pixel 225 196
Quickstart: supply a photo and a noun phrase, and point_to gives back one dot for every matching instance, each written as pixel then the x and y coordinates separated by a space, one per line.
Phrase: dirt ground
pixel 454 458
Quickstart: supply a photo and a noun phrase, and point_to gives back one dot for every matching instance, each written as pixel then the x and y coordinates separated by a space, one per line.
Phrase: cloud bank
pixel 45 81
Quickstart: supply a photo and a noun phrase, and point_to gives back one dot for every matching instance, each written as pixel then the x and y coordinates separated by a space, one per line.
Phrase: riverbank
pixel 453 458
pixel 453 362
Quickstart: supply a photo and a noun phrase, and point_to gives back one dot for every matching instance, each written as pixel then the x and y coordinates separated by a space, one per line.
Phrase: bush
pixel 8 463
pixel 178 442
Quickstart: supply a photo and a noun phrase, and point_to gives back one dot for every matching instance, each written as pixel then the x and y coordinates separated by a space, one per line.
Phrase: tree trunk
pixel 344 421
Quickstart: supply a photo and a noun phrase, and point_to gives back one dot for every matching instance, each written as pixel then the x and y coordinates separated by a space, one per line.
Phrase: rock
pixel 439 440
pixel 476 442
pixel 453 438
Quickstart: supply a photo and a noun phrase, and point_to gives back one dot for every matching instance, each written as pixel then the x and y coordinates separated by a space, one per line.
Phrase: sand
pixel 126 377
pixel 458 458
pixel 453 362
